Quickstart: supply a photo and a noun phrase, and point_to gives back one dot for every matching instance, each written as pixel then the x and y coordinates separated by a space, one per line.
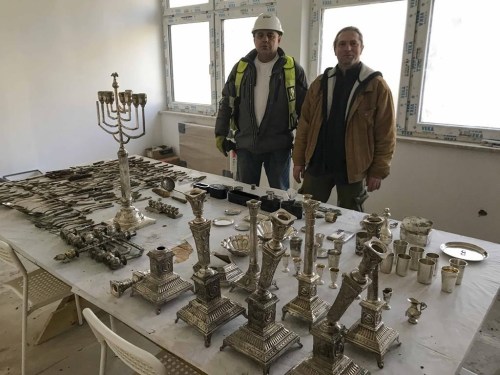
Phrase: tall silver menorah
pixel 117 107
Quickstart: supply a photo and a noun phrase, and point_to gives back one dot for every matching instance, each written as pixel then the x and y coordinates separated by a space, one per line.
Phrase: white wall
pixel 55 56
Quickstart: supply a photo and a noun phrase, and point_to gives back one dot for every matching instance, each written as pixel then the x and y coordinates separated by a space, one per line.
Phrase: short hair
pixel 348 28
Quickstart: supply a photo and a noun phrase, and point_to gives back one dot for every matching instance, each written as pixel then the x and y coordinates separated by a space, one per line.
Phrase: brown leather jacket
pixel 370 137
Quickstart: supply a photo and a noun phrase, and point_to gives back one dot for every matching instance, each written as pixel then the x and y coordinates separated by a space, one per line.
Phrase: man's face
pixel 266 43
pixel 348 49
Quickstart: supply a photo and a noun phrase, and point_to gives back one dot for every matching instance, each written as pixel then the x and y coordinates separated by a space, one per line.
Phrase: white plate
pixel 222 222
pixel 464 250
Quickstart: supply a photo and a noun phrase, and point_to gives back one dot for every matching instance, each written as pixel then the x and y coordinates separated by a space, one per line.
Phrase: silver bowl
pixel 265 231
pixel 238 245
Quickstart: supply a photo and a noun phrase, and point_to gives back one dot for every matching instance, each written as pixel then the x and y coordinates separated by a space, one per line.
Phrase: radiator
pixel 197 149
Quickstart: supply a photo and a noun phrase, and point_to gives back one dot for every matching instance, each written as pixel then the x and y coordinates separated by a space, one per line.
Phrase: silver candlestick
pixel 262 339
pixel 370 332
pixel 329 334
pixel 209 310
pixel 118 108
pixel 307 305
pixel 251 277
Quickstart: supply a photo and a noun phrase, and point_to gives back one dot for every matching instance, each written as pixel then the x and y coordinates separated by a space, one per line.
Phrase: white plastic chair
pixel 37 289
pixel 134 357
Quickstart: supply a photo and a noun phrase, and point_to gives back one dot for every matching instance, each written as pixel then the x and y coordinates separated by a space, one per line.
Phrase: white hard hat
pixel 267 21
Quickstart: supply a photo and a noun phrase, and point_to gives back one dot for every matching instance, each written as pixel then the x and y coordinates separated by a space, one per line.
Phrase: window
pixel 203 41
pixel 443 86
pixel 452 88
pixel 383 43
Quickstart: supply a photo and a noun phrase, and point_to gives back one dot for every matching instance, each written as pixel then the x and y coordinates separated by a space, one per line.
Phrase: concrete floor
pixel 76 351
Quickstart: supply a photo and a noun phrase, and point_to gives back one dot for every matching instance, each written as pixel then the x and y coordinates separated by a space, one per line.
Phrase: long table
pixel 436 345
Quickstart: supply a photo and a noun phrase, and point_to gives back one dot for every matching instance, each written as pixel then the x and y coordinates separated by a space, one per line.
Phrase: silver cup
pixel 425 269
pixel 295 247
pixel 334 258
pixel 399 246
pixel 460 264
pixel 449 277
pixel 435 258
pixel 386 265
pixel 416 252
pixel 361 238
pixel 402 263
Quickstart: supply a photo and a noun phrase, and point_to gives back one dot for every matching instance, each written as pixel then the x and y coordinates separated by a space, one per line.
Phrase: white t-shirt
pixel 261 92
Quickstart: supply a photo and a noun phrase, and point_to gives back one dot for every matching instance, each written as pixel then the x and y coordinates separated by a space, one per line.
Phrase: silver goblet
pixel 334 274
pixel 285 259
pixel 387 293
pixel 297 262
pixel 320 268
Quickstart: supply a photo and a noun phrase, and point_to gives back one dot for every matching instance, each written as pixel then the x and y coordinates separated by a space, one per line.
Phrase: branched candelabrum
pixel 116 107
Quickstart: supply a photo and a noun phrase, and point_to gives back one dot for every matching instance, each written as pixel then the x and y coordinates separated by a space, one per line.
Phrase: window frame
pixel 215 13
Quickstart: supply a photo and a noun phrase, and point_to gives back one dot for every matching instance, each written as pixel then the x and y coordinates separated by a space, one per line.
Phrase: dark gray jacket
pixel 274 132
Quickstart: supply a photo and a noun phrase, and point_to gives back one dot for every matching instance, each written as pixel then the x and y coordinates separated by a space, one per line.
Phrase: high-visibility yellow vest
pixel 289 70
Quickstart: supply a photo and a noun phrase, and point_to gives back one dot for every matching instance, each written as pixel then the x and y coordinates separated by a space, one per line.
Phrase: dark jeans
pixel 276 165
pixel 349 196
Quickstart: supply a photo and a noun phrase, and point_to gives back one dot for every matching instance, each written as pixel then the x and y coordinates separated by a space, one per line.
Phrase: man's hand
pixel 219 142
pixel 298 173
pixel 373 183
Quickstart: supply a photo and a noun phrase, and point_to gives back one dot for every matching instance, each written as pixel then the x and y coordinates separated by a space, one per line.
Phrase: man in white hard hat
pixel 260 105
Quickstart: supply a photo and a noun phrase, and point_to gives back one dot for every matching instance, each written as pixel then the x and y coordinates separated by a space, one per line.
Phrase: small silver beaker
pixel 460 264
pixel 435 258
pixel 449 277
pixel 425 269
pixel 402 264
pixel 399 246
pixel 416 252
pixel 386 265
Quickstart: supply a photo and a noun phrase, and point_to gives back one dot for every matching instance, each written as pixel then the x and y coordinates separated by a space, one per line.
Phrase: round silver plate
pixel 222 222
pixel 464 250
pixel 232 211
pixel 243 226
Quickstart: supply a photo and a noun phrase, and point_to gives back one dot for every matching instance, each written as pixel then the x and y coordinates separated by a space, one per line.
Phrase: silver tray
pixel 464 250
pixel 222 222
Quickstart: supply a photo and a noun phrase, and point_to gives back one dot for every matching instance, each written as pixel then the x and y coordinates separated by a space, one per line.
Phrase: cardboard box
pixel 159 152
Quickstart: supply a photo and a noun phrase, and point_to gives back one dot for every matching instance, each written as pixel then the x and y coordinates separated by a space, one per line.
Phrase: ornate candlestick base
pixel 328 357
pixel 262 339
pixel 307 305
pixel 370 332
pixel 247 282
pixel 161 284
pixel 130 218
pixel 209 310
pixel 229 274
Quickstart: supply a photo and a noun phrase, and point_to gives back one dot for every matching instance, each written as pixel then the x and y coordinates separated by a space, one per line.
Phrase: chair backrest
pixel 8 255
pixel 136 358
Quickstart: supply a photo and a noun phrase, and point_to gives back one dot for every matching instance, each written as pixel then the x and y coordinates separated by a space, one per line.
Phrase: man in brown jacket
pixel 346 133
